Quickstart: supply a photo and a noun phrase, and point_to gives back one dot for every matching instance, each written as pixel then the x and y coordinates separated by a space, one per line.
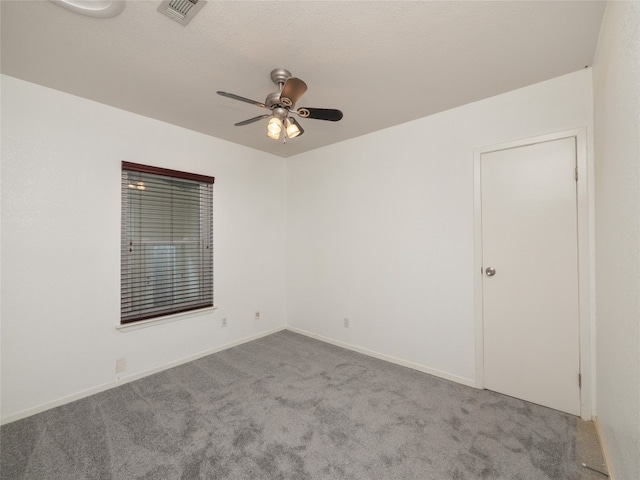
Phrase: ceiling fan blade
pixel 251 120
pixel 242 99
pixel 293 89
pixel 329 114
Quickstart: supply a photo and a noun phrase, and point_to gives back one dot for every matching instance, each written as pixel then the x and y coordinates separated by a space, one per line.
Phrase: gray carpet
pixel 290 407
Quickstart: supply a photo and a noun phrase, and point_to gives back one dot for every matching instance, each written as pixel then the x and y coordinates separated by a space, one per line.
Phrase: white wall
pixel 380 228
pixel 616 74
pixel 61 245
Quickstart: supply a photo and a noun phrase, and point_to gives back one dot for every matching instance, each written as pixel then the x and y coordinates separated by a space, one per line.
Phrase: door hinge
pixel 580 380
pixel 576 174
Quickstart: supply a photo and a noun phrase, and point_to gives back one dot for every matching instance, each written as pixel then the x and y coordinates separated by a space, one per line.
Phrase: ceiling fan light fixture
pixel 292 127
pixel 274 127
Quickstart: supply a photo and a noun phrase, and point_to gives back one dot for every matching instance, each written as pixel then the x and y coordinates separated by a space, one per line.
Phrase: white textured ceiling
pixel 382 63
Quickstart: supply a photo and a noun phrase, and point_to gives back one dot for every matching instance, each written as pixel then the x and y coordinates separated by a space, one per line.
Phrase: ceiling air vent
pixel 182 11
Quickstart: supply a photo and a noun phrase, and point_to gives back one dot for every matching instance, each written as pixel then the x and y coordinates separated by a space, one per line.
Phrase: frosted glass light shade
pixel 274 127
pixel 293 128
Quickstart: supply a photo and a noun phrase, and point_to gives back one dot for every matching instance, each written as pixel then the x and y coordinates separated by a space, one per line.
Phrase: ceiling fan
pixel 282 104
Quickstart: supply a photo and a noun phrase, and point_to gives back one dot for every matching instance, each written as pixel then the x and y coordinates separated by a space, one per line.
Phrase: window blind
pixel 167 242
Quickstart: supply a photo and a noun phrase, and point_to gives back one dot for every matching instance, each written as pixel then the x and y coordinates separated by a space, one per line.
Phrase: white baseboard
pixel 603 446
pixel 398 361
pixel 136 376
pixel 129 378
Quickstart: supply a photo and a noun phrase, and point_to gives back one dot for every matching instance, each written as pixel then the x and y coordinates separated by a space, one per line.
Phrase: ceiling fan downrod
pixel 279 76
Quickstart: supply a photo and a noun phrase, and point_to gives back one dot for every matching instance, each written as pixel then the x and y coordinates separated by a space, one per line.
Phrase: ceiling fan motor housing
pixel 273 101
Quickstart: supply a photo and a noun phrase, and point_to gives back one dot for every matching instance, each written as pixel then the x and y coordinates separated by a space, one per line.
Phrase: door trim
pixel 582 206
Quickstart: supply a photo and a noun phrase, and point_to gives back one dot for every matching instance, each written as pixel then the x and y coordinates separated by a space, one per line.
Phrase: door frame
pixel 584 285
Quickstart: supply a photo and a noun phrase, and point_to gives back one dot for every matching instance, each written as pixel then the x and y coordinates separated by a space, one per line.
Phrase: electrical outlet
pixel 346 322
pixel 257 314
pixel 121 365
pixel 224 322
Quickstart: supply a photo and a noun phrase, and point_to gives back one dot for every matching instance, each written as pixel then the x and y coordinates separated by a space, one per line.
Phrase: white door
pixel 530 304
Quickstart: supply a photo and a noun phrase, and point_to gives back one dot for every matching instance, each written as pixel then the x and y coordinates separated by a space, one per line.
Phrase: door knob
pixel 490 271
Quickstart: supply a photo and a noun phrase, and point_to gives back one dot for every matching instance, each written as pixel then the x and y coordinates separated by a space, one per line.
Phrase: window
pixel 167 242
